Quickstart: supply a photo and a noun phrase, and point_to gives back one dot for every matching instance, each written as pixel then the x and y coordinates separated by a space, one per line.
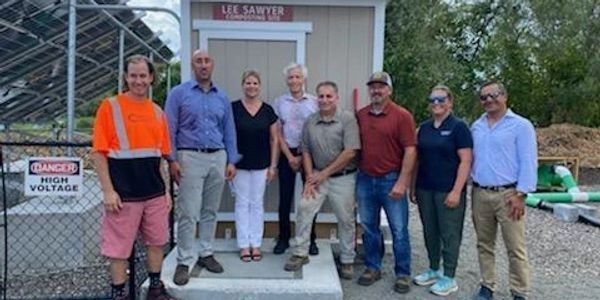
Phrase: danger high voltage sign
pixel 53 176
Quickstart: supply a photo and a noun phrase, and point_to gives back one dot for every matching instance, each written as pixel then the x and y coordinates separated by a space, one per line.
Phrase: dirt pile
pixel 571 140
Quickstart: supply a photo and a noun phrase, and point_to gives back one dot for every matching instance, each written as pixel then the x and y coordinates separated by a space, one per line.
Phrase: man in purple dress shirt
pixel 203 133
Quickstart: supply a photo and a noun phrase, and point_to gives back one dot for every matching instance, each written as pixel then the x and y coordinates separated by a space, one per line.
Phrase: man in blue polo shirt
pixel 504 171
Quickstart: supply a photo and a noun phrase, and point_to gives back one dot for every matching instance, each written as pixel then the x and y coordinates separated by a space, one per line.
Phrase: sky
pixel 160 21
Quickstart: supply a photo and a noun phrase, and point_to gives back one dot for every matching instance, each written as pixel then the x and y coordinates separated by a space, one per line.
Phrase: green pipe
pixel 567 178
pixel 532 201
pixel 564 197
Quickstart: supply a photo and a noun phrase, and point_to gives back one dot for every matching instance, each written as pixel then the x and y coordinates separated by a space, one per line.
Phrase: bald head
pixel 202 64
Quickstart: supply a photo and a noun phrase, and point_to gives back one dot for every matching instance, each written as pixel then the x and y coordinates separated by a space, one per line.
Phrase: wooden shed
pixel 338 40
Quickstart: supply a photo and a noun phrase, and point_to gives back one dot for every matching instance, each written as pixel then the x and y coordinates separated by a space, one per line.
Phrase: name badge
pixel 445 132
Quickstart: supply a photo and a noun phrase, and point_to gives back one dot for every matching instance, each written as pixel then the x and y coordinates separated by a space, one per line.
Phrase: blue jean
pixel 372 193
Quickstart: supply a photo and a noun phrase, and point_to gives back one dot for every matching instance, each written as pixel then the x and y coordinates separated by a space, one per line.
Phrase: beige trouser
pixel 489 210
pixel 341 193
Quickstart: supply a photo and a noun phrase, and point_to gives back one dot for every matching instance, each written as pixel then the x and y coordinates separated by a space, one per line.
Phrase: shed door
pixel 232 58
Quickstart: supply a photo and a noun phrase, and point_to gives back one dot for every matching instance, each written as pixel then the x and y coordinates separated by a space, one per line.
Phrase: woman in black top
pixel 256 129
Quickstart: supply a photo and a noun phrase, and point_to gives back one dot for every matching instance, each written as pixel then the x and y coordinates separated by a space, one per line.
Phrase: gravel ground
pixel 564 262
pixel 563 257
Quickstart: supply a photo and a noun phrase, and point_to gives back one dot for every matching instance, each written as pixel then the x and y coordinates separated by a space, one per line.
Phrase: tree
pixel 545 52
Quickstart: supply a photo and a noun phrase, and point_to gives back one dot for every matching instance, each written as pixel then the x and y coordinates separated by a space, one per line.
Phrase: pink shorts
pixel 120 229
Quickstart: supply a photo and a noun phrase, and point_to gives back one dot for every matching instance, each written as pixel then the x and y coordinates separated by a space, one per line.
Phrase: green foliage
pixel 160 90
pixel 545 52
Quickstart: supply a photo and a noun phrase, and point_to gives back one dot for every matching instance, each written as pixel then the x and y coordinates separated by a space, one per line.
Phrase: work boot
pixel 402 285
pixel 182 275
pixel 159 293
pixel 211 264
pixel 346 271
pixel 295 263
pixel 369 277
pixel 485 293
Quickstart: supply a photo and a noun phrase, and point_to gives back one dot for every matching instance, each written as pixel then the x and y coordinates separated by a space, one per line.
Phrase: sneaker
pixel 369 277
pixel 211 264
pixel 444 286
pixel 281 246
pixel 159 293
pixel 182 275
pixel 346 271
pixel 402 285
pixel 313 249
pixel 295 263
pixel 484 294
pixel 517 297
pixel 428 277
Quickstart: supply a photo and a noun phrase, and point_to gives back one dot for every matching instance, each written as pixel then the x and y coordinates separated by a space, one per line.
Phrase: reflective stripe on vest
pixel 125 151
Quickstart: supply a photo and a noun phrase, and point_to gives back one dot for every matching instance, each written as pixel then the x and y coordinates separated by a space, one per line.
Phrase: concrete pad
pixel 265 279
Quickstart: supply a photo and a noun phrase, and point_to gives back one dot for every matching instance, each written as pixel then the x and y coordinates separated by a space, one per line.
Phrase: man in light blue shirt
pixel 203 133
pixel 504 171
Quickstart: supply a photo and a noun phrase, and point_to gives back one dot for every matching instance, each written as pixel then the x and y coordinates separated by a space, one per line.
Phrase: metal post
pixel 4 226
pixel 168 78
pixel 121 58
pixel 71 72
pixel 151 56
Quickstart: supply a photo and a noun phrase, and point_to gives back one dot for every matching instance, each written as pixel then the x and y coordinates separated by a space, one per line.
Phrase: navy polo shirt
pixel 437 152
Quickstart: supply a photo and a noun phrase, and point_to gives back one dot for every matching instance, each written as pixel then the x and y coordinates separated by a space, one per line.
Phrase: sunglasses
pixel 437 99
pixel 494 95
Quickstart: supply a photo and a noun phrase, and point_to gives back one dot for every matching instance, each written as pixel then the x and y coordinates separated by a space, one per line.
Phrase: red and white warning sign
pixel 53 176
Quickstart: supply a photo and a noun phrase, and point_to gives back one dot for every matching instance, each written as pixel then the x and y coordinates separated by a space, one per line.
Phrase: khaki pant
pixel 489 210
pixel 341 193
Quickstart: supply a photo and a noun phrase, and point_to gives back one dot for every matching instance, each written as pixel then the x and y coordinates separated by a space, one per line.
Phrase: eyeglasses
pixel 494 95
pixel 437 99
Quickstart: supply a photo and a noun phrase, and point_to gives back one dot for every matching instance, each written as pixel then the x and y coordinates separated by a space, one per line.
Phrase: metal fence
pixel 49 245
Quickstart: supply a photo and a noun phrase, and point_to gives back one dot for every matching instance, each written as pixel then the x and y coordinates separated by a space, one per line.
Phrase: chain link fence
pixel 50 245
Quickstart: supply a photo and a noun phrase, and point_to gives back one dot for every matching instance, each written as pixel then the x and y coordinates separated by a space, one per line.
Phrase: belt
pixel 203 150
pixel 342 173
pixel 295 151
pixel 497 188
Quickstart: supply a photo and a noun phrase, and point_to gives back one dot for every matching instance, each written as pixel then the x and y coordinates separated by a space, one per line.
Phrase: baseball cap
pixel 381 77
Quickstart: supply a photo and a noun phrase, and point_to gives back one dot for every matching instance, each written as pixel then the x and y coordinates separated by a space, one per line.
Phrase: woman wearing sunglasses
pixel 444 161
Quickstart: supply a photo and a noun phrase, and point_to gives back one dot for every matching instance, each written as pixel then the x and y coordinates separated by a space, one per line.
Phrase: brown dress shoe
pixel 211 264
pixel 182 275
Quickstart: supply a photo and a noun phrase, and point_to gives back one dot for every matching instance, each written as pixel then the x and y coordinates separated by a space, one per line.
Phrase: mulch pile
pixel 570 140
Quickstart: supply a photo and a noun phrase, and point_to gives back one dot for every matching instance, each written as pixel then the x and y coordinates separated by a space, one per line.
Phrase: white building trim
pixel 265 31
pixel 378 26
pixel 186 40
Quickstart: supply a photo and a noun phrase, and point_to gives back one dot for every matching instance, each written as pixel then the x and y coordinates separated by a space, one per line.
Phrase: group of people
pixel 360 162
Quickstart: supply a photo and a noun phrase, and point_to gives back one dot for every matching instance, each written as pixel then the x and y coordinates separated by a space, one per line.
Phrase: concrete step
pixel 265 279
